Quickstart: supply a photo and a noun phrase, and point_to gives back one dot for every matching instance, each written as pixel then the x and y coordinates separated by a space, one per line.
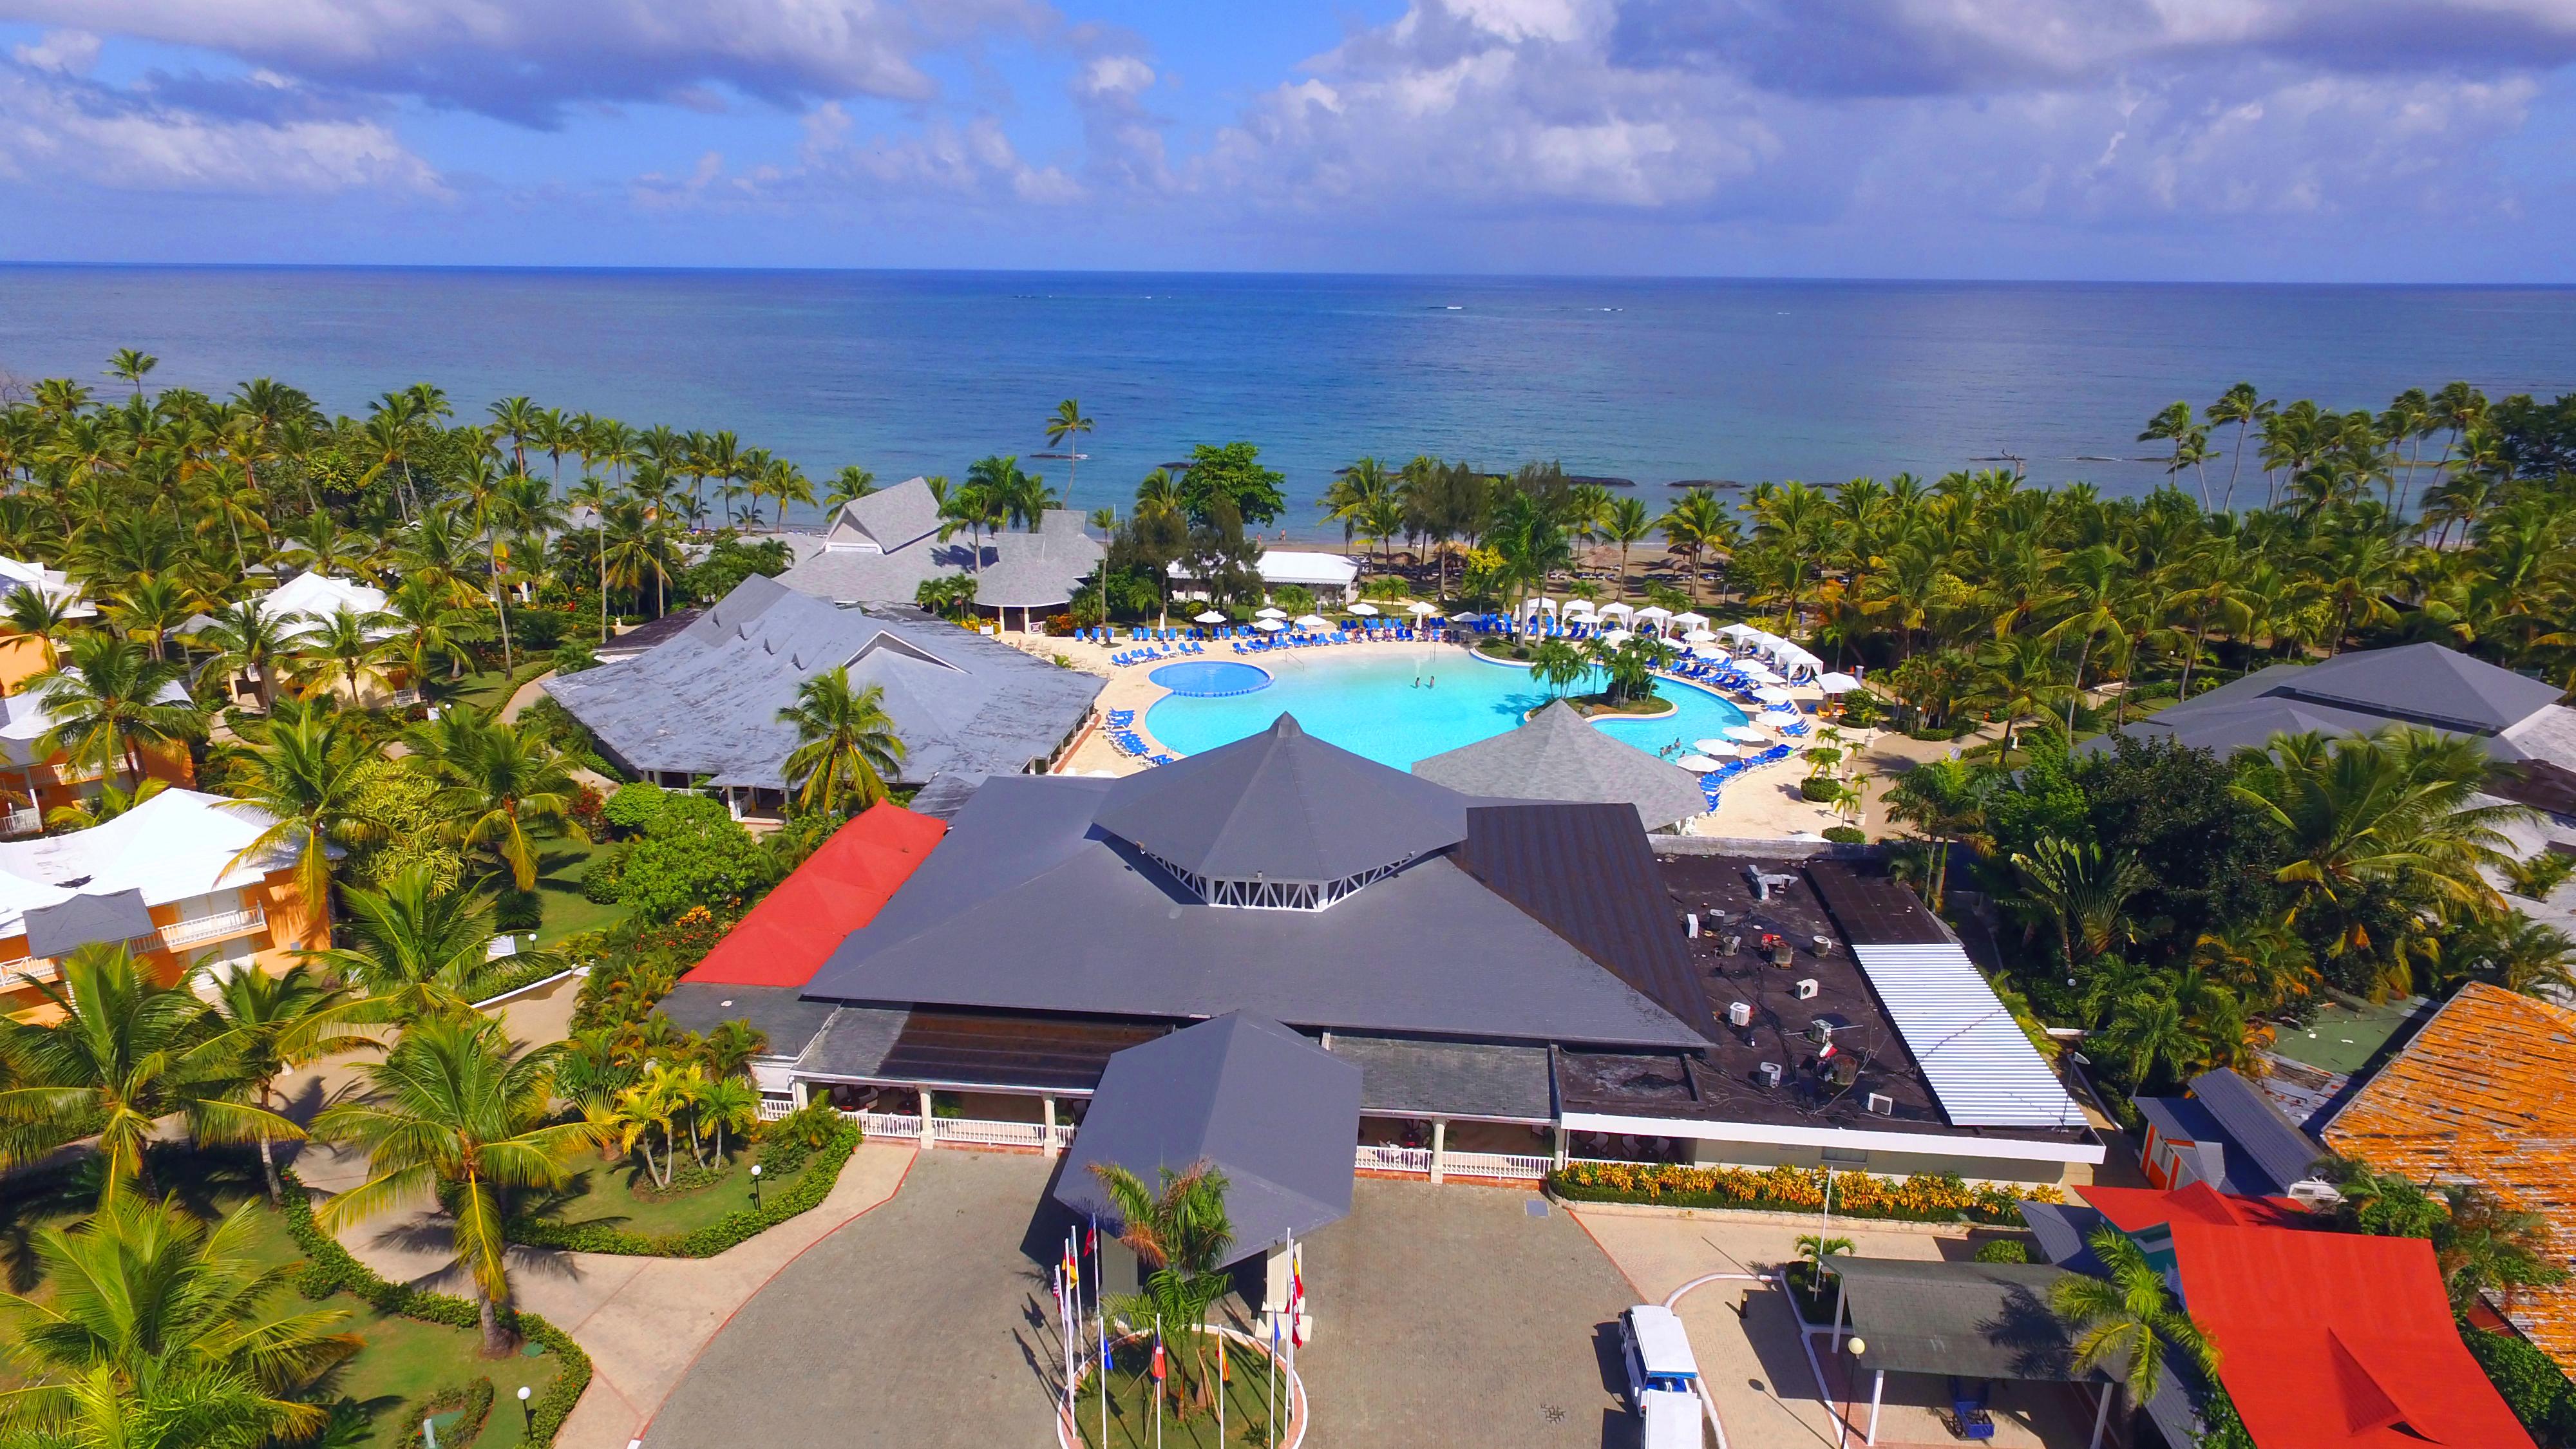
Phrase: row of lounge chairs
pixel 1129 743
pixel 1715 780
pixel 1156 653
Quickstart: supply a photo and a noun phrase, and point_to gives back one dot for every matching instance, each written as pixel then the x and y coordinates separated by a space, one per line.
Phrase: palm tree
pixel 1626 524
pixel 454 1116
pixel 1179 1231
pixel 131 365
pixel 109 803
pixel 246 637
pixel 124 1052
pixel 849 485
pixel 727 1104
pixel 1946 801
pixel 2244 406
pixel 306 786
pixel 2392 810
pixel 429 624
pixel 2083 895
pixel 112 702
pixel 416 948
pixel 494 781
pixel 1066 422
pixel 144 1289
pixel 598 496
pixel 1813 1250
pixel 273 1024
pixel 40 614
pixel 348 643
pixel 2019 677
pixel 1696 523
pixel 1559 665
pixel 846 743
pixel 2127 1321
pixel 149 609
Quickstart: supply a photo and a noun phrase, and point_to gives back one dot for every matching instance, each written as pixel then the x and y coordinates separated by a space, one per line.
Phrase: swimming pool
pixel 1397 706
pixel 1211 678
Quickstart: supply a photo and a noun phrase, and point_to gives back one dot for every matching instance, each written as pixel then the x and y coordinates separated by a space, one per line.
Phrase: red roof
pixel 2326 1340
pixel 840 888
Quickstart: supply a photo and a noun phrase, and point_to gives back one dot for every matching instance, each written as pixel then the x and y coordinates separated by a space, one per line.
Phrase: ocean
pixel 1651 381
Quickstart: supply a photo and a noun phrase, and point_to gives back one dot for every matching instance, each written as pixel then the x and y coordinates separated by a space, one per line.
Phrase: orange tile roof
pixel 2487 1092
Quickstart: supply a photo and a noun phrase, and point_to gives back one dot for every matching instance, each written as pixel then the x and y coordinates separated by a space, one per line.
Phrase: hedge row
pixel 330 1268
pixel 517 973
pixel 1925 1197
pixel 2540 1396
pixel 475 1399
pixel 735 1227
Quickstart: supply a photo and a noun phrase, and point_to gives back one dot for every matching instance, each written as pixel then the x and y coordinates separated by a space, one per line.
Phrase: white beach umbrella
pixel 1837 683
pixel 1270 626
pixel 1691 620
pixel 1744 732
pixel 1365 611
pixel 1698 636
pixel 1270 613
pixel 1618 611
pixel 1653 614
pixel 1313 621
pixel 1758 672
pixel 1719 748
pixel 1421 610
pixel 1210 617
pixel 1771 694
pixel 1617 637
pixel 1707 651
pixel 1696 764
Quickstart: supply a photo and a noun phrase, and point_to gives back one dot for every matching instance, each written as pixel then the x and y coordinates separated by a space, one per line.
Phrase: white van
pixel 1663 1378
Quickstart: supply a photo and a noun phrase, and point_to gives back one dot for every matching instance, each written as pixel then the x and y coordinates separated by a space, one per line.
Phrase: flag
pixel 1107 1362
pixel 1296 1280
pixel 1072 1269
pixel 1158 1357
pixel 1223 1374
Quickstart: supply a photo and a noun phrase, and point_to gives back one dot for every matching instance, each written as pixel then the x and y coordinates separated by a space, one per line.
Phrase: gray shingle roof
pixel 881 549
pixel 2258 1131
pixel 1028 906
pixel 1282 806
pixel 706 701
pixel 853 1043
pixel 1975 1320
pixel 87 920
pixel 785 1017
pixel 2355 693
pixel 1401 1078
pixel 1560 755
pixel 1277 1115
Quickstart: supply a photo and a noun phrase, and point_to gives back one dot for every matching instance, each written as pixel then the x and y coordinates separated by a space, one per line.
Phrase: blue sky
pixel 2328 140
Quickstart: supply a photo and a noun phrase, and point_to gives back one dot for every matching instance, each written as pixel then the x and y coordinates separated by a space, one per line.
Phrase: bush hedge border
pixel 475 1399
pixel 1988 1208
pixel 726 1232
pixel 330 1268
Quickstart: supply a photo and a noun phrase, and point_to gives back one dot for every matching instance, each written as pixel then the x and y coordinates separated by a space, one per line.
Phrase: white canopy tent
pixel 1837 683
pixel 1365 611
pixel 1616 610
pixel 1267 613
pixel 1771 694
pixel 1743 633
pixel 1654 614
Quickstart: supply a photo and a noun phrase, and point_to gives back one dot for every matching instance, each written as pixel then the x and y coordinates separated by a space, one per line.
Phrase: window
pixel 1845 1154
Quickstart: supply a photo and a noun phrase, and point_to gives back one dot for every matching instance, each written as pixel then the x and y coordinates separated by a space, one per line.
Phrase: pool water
pixel 1397 706
pixel 1211 678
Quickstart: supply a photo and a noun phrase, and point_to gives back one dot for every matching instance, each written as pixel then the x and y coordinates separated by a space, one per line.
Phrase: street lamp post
pixel 755 1187
pixel 527 1415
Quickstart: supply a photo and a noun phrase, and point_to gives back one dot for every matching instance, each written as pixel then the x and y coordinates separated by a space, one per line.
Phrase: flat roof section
pixel 789 1021
pixel 1874 910
pixel 1401 1078
pixel 1027 1052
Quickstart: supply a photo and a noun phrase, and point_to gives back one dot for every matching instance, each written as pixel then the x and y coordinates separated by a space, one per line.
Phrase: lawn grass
pixel 404 1361
pixel 1131 1407
pixel 603 1193
pixel 2346 1033
pixel 485 689
pixel 561 864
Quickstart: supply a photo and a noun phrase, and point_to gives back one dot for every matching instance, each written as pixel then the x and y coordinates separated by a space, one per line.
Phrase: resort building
pixel 1559 755
pixel 38 780
pixel 22 656
pixel 165 878
pixel 2229 1134
pixel 2325 1339
pixel 1516 982
pixel 702 706
pixel 882 548
pixel 1333 579
pixel 2480 1094
pixel 309 600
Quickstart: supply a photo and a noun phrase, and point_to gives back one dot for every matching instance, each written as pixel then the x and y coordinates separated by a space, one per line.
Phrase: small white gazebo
pixel 1616 610
pixel 1654 614
pixel 1837 683
pixel 1690 621
pixel 1742 633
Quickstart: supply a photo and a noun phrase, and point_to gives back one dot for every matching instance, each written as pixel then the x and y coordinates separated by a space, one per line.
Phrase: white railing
pixel 1373 1158
pixel 1495 1164
pixel 773 1108
pixel 888 1124
pixel 209 928
pixel 21 822
pixel 969 1131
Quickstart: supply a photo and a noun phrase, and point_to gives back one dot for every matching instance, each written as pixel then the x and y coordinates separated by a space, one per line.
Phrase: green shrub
pixel 2003 1250
pixel 1820 788
pixel 2528 1382
pixel 515 910
pixel 1924 1197
pixel 693 854
pixel 330 1268
pixel 634 807
pixel 601 882
pixel 1846 835
pixel 514 973
pixel 475 1399
pixel 735 1227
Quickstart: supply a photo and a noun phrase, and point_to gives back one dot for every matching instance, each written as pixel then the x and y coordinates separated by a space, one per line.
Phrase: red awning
pixel 794 929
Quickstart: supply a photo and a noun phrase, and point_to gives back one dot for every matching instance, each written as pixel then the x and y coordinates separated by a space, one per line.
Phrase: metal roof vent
pixel 1882 1104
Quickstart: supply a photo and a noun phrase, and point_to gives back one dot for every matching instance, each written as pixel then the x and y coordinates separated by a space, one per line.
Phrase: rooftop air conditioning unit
pixel 1807 988
pixel 1690 923
pixel 1882 1104
pixel 1740 1014
pixel 1769 1072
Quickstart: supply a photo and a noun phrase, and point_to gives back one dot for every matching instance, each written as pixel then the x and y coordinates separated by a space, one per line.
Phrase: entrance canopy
pixel 1975 1320
pixel 1272 1111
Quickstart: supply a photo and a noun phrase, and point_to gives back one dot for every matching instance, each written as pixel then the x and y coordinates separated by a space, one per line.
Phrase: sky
pixel 2255 140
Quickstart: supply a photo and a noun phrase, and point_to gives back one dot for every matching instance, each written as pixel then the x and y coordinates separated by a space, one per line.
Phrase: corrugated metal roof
pixel 1981 1066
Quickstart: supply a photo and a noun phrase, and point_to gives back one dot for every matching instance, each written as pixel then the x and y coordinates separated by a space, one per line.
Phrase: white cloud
pixel 72 52
pixel 57 129
pixel 1116 75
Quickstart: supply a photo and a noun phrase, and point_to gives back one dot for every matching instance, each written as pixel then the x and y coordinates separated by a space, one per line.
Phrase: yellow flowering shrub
pixel 1924 1197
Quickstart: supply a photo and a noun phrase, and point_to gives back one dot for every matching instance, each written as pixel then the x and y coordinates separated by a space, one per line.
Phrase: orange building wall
pixel 290 926
pixel 22 657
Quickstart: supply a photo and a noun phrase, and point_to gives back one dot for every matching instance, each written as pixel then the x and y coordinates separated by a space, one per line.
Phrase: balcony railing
pixel 21 822
pixel 213 928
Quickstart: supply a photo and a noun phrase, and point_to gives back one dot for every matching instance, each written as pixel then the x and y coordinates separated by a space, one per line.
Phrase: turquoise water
pixel 1210 678
pixel 1367 701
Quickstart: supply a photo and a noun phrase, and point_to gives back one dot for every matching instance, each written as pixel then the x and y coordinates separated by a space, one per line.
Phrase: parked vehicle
pixel 1663 1378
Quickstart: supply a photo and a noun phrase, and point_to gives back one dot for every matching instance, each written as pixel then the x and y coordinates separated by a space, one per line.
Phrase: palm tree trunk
pixel 268 1165
pixel 496 1340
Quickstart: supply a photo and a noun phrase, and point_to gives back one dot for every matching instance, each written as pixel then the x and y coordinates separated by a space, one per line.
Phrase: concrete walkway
pixel 642 1320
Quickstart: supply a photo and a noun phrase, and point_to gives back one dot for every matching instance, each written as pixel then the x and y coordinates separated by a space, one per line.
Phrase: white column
pixel 1439 1148
pixel 2102 1414
pixel 1877 1386
pixel 927 1134
pixel 1842 1295
pixel 1048 1145
pixel 1562 1148
pixel 800 1092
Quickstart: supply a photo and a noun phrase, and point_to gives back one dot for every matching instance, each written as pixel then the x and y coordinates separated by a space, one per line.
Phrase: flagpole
pixel 1100 1300
pixel 1271 1375
pixel 1158 1381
